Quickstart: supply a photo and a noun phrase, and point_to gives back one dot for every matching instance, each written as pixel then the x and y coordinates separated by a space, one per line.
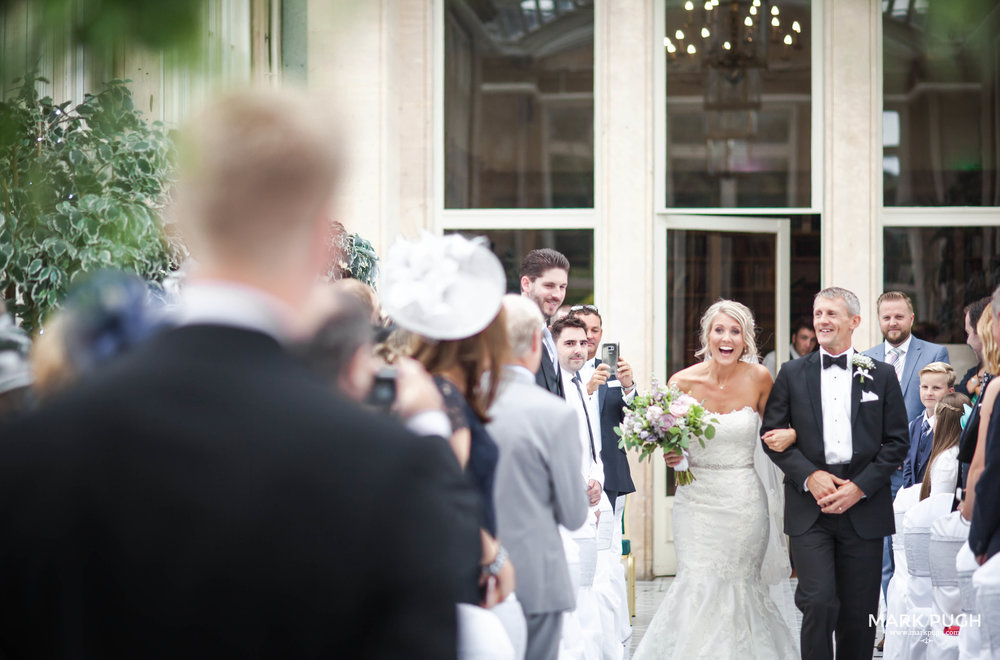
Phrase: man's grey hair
pixel 995 304
pixel 853 304
pixel 523 319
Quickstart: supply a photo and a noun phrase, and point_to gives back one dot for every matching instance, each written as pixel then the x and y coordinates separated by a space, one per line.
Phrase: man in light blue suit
pixel 907 355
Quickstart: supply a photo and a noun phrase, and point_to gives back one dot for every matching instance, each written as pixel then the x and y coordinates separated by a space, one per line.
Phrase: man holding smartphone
pixel 615 389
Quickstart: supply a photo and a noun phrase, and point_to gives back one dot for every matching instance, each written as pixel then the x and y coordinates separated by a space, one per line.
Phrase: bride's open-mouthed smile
pixel 725 339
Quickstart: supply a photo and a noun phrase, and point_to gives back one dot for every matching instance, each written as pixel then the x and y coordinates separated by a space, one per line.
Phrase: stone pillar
pixel 351 51
pixel 851 228
pixel 623 237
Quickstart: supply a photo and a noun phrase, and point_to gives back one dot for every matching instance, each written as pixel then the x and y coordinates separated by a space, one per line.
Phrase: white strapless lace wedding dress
pixel 719 606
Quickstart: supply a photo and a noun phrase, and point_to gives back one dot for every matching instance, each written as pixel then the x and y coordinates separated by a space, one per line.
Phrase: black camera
pixel 383 392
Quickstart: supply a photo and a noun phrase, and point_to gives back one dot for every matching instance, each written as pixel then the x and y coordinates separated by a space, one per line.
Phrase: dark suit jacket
pixel 205 496
pixel 983 534
pixel 916 456
pixel 547 376
pixel 617 475
pixel 880 442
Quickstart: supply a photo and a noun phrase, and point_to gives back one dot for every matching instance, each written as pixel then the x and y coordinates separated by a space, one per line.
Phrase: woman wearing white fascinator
pixel 448 291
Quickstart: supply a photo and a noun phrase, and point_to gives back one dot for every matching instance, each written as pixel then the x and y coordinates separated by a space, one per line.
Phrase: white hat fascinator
pixel 442 287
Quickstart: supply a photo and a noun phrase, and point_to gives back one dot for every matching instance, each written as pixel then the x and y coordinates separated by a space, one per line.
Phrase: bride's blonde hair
pixel 739 313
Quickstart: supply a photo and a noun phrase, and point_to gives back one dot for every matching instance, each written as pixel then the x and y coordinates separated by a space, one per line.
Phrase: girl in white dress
pixel 941 475
pixel 727 533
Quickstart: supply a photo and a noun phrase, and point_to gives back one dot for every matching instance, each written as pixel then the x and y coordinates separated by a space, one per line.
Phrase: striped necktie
pixel 893 359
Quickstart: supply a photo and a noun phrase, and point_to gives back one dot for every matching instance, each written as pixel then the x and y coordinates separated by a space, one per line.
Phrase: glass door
pixel 699 260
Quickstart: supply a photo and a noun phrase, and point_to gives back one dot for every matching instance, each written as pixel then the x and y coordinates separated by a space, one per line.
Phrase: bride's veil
pixel 776 568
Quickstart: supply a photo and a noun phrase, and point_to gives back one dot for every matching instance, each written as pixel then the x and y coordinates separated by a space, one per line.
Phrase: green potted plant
pixel 81 189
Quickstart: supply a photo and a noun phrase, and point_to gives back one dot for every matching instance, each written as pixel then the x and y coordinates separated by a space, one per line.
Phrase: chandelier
pixel 732 42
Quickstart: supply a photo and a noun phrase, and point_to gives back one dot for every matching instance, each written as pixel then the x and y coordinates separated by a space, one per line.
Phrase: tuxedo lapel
pixel 547 376
pixel 813 370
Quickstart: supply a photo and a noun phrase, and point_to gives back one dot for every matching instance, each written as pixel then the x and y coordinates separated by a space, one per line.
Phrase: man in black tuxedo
pixel 850 421
pixel 984 533
pixel 544 278
pixel 205 495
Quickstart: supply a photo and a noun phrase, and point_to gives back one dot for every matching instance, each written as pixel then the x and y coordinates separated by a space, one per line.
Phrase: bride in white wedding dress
pixel 731 597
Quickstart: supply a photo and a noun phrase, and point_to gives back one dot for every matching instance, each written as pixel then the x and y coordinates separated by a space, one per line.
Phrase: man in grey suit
pixel 907 355
pixel 538 485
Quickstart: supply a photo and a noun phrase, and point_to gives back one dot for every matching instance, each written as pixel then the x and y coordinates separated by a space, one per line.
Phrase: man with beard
pixel 544 278
pixel 907 355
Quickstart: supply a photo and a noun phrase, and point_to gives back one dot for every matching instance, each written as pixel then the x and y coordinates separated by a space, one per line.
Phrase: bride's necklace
pixel 723 384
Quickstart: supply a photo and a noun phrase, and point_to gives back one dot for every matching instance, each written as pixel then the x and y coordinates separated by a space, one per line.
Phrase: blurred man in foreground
pixel 205 496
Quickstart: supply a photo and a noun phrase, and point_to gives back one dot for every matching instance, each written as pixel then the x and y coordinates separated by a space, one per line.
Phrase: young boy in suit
pixel 936 380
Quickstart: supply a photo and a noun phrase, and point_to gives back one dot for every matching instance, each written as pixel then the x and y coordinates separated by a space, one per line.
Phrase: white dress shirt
pixel 835 394
pixel 237 305
pixel 590 443
pixel 903 349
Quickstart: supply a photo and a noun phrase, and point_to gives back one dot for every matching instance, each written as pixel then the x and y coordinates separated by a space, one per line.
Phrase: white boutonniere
pixel 862 367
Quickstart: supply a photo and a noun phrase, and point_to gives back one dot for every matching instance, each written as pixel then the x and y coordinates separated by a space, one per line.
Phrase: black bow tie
pixel 840 361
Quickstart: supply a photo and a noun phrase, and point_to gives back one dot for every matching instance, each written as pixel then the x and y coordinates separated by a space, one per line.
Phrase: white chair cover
pixel 582 633
pixel 970 645
pixel 481 635
pixel 511 615
pixel 948 535
pixel 916 539
pixel 895 599
pixel 986 582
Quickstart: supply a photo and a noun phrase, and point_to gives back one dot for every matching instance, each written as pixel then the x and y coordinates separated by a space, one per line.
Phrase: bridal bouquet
pixel 665 418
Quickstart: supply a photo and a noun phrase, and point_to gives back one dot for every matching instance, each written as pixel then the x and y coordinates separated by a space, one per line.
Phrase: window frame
pixel 443 219
pixel 816 106
pixel 907 216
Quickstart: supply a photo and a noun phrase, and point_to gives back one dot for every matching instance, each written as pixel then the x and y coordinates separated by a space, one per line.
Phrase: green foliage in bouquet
pixel 81 190
pixel 666 419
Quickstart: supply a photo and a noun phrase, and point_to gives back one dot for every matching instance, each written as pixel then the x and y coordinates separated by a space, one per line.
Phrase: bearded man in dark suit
pixel 205 496
pixel 850 420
